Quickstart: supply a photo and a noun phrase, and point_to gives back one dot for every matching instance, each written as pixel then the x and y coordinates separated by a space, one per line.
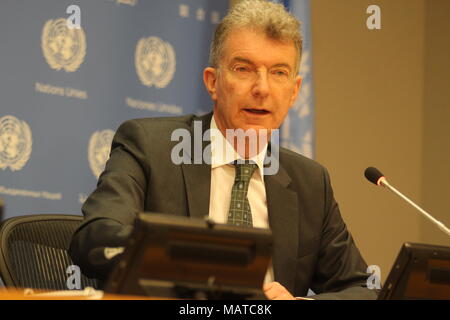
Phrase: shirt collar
pixel 223 153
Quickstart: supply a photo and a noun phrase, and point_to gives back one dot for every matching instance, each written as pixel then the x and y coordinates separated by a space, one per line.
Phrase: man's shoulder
pixel 161 124
pixel 162 121
pixel 302 168
pixel 291 158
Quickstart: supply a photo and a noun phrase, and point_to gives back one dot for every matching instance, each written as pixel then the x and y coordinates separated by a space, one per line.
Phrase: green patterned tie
pixel 240 213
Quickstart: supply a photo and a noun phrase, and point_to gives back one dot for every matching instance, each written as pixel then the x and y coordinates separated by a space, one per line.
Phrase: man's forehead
pixel 250 45
pixel 251 32
pixel 277 63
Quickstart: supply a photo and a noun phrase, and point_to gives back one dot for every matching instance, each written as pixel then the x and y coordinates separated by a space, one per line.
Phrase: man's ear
pixel 296 90
pixel 210 78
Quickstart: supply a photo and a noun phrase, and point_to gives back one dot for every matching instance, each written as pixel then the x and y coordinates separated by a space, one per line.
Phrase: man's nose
pixel 261 86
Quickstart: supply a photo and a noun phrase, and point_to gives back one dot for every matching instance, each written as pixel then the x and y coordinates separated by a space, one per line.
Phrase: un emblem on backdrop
pixel 99 149
pixel 63 48
pixel 155 62
pixel 15 143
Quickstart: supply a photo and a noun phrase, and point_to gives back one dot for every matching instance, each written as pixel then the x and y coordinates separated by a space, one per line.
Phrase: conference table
pixel 86 294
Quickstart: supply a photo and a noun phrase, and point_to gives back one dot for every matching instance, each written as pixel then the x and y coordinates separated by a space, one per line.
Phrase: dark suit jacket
pixel 312 246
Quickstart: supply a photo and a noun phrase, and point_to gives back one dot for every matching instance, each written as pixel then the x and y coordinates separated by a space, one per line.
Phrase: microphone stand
pixel 383 182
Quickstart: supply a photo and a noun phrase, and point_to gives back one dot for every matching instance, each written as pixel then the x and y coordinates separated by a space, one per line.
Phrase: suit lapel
pixel 283 212
pixel 197 177
pixel 282 208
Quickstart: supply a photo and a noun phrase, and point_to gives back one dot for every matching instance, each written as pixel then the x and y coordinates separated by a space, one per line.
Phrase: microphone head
pixel 373 175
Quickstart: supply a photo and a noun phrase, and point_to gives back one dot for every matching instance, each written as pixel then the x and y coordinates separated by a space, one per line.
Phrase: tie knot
pixel 245 171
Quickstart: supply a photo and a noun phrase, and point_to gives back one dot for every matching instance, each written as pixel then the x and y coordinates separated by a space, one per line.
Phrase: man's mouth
pixel 257 111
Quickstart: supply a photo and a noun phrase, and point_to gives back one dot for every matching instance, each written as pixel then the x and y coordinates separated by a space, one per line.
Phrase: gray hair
pixel 269 17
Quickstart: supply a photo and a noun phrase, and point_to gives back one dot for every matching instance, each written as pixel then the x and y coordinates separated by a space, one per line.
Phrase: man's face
pixel 255 83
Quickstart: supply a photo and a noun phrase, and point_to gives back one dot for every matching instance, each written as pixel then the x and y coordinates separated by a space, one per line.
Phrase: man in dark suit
pixel 253 81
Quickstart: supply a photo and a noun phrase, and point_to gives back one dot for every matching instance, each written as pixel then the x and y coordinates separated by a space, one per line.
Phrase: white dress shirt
pixel 222 180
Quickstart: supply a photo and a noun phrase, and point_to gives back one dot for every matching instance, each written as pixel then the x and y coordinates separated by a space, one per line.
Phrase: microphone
pixel 376 177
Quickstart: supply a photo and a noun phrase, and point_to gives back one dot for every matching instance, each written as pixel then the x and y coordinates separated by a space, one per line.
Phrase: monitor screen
pixel 421 271
pixel 180 257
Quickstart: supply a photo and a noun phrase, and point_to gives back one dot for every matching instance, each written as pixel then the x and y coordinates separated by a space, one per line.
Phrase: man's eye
pixel 280 73
pixel 241 69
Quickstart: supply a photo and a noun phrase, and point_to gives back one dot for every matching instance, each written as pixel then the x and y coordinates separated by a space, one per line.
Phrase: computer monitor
pixel 170 256
pixel 421 271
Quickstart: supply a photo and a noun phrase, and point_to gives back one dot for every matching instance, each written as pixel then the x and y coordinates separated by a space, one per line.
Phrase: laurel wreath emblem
pixel 99 149
pixel 155 62
pixel 63 48
pixel 15 143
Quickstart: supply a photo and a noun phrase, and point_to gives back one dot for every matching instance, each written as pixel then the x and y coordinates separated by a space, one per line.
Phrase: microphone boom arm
pixel 383 182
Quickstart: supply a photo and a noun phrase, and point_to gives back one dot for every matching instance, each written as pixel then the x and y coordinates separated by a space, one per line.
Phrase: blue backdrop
pixel 297 132
pixel 64 91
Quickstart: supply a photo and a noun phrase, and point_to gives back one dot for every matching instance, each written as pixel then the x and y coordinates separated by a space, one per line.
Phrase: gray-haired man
pixel 253 81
